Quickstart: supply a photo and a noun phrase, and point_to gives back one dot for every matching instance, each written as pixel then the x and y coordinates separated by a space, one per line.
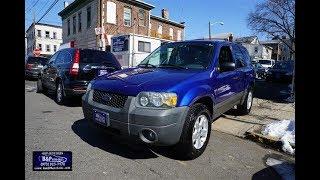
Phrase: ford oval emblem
pixel 106 97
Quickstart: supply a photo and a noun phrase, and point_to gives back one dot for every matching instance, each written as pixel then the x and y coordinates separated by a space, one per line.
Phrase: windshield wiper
pixel 172 66
pixel 147 65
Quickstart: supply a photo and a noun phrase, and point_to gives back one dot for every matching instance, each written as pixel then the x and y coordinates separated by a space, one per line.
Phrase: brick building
pixel 81 18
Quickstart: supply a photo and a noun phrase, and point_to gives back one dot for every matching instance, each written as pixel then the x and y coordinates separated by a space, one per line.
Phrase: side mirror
pixel 227 66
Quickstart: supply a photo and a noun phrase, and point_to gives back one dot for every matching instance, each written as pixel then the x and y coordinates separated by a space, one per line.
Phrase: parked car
pixel 281 71
pixel 173 95
pixel 33 66
pixel 259 70
pixel 267 63
pixel 70 70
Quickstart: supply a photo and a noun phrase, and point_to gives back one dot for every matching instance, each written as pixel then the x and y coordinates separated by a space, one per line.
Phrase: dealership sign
pixel 120 43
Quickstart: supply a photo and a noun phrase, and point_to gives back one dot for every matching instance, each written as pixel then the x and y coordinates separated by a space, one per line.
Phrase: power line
pixel 43 7
pixel 48 10
pixel 32 6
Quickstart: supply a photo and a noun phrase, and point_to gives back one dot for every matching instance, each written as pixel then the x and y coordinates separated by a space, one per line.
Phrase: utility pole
pixel 209 30
pixel 34 30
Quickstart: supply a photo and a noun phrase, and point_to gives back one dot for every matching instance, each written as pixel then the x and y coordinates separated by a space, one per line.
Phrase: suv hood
pixel 131 81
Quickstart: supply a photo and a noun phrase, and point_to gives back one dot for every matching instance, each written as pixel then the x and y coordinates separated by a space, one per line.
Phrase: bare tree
pixel 275 18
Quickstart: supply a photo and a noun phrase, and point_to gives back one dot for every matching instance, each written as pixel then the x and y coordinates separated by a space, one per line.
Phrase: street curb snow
pixel 254 135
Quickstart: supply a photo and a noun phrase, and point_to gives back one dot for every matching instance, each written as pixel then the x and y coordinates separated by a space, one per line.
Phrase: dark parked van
pixel 70 70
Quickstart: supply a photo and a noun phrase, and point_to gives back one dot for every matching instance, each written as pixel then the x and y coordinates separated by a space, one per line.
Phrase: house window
pixel 47 34
pixel 74 24
pixel 160 29
pixel 54 35
pixel 39 33
pixel 171 33
pixel 68 24
pixel 54 48
pixel 179 35
pixel 142 17
pixel 255 49
pixel 48 48
pixel 111 12
pixel 40 47
pixel 144 46
pixel 89 17
pixel 127 16
pixel 79 22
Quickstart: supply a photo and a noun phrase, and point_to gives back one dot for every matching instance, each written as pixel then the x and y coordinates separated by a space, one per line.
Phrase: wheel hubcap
pixel 249 101
pixel 59 93
pixel 200 131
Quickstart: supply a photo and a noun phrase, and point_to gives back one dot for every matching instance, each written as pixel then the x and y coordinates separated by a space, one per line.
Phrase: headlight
pixel 156 99
pixel 89 87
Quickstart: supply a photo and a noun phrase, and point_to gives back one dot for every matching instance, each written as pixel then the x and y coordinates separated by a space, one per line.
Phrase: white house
pixel 255 49
pixel 131 49
pixel 45 37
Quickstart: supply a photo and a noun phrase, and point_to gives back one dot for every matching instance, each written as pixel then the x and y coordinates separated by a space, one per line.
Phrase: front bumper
pixel 131 120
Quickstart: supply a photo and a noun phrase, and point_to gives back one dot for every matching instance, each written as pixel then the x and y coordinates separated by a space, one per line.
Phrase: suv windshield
pixel 180 56
pixel 89 56
pixel 266 62
pixel 37 60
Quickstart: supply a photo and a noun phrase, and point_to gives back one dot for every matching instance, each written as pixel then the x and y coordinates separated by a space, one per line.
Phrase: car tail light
pixel 74 70
pixel 28 66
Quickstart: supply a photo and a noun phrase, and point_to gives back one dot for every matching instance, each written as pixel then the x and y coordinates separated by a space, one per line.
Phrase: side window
pixel 60 58
pixel 225 56
pixel 238 56
pixel 247 58
pixel 53 58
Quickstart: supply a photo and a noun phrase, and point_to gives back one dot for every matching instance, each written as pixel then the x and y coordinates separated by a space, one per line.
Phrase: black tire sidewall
pixel 39 86
pixel 186 148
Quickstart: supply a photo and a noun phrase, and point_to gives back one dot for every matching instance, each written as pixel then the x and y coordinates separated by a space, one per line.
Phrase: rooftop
pixel 44 24
pixel 167 21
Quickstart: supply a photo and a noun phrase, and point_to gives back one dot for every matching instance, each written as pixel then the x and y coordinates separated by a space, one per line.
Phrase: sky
pixel 195 13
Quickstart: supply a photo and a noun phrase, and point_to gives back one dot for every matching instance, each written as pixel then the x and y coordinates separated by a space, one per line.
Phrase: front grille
pixel 109 99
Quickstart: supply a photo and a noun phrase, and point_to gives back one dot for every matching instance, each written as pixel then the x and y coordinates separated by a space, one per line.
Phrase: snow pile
pixel 285 131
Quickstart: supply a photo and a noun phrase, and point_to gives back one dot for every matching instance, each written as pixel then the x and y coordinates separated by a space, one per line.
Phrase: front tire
pixel 196 132
pixel 60 98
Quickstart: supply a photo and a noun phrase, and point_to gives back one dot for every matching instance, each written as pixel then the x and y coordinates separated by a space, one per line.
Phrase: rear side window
pixel 246 56
pixel 64 57
pixel 93 56
pixel 238 55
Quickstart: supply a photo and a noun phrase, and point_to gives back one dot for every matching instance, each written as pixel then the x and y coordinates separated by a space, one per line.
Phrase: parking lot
pixel 51 127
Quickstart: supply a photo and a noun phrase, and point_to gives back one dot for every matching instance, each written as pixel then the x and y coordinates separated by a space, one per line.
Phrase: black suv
pixel 33 66
pixel 70 70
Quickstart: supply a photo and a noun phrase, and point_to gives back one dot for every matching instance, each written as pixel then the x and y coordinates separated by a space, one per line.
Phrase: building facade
pixel 107 18
pixel 255 49
pixel 45 37
pixel 280 50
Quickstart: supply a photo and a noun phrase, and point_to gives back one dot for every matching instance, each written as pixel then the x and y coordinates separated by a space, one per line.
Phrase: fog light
pixel 149 135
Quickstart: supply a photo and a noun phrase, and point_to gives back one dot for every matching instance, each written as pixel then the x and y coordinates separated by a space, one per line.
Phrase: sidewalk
pixel 262 112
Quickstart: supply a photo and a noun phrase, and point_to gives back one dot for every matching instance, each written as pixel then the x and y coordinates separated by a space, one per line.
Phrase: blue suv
pixel 174 94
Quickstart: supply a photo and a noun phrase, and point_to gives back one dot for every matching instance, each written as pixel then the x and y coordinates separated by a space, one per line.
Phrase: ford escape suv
pixel 70 70
pixel 173 95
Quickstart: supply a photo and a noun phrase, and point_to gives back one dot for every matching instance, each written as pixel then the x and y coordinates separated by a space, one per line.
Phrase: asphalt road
pixel 50 127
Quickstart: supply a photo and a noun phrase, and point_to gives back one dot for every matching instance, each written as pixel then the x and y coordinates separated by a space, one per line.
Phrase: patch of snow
pixel 285 131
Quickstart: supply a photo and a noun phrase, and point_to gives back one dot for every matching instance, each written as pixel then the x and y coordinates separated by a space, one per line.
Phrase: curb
pixel 254 135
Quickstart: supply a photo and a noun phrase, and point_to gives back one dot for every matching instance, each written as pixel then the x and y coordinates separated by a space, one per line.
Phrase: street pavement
pixel 51 127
